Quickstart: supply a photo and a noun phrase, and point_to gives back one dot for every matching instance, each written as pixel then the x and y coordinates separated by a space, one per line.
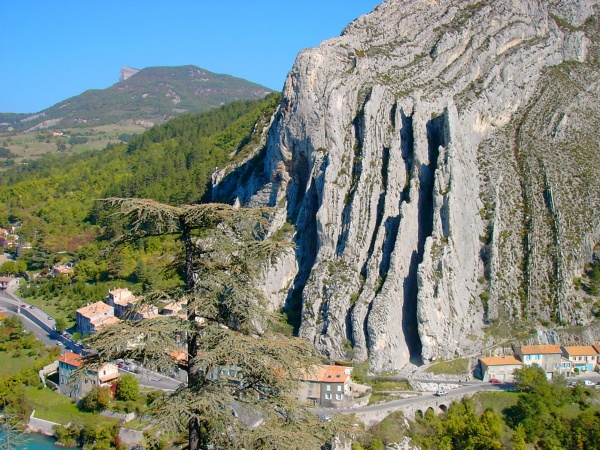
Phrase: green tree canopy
pixel 227 326
pixel 128 388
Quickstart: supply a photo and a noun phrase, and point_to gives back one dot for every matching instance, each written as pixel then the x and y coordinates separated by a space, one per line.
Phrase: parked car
pixel 23 306
pixel 495 381
pixel 31 306
pixel 441 393
pixel 588 383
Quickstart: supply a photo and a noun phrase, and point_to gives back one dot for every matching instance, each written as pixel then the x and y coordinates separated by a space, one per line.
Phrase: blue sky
pixel 53 50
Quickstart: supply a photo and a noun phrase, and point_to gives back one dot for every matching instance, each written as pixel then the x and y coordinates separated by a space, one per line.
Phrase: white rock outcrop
pixel 399 154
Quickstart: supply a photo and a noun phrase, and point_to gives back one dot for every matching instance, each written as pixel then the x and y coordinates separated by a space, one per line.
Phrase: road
pixel 37 321
pixel 154 380
pixel 453 394
pixel 41 325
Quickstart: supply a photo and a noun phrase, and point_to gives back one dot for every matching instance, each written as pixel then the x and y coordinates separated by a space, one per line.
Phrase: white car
pixel 441 393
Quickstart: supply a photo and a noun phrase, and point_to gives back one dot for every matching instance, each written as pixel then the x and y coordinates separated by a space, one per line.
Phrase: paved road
pixel 155 380
pixel 425 397
pixel 37 321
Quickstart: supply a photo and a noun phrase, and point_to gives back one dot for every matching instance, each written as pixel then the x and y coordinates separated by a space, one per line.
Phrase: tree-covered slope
pixel 154 94
pixel 54 196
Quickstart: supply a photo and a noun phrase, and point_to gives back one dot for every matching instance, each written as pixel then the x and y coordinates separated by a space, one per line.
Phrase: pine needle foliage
pixel 226 327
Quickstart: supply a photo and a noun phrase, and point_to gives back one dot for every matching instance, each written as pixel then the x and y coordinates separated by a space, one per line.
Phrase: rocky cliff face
pixel 441 164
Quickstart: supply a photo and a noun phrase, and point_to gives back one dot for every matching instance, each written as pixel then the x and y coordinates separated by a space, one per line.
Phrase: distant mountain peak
pixel 152 94
pixel 126 72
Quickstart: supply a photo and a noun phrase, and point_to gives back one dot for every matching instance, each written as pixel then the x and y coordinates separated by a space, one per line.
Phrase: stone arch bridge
pixel 418 405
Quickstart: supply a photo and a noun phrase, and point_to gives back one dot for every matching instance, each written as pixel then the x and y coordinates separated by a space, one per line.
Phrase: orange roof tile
pixel 72 359
pixel 540 349
pixel 581 350
pixel 334 374
pixel 501 360
pixel 94 308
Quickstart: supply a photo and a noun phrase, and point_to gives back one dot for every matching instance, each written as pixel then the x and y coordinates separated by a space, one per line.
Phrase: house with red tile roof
pixel 79 384
pixel 327 386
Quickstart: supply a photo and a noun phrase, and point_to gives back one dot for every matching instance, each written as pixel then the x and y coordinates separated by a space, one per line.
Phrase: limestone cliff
pixel 441 165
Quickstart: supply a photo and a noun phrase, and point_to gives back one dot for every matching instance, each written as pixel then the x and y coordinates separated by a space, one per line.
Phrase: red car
pixel 495 381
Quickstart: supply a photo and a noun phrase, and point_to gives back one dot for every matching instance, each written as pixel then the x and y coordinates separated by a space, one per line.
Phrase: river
pixel 39 442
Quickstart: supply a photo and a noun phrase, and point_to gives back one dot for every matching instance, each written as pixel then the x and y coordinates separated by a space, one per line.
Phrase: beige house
pixel 83 383
pixel 584 358
pixel 63 269
pixel 145 312
pixel 94 316
pixel 499 367
pixel 122 300
pixel 8 283
pixel 174 308
pixel 548 357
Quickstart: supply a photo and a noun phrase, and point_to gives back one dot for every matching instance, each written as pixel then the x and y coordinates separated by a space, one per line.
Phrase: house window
pixel 328 388
pixel 339 388
pixel 338 396
pixel 310 384
pixel 327 396
pixel 527 357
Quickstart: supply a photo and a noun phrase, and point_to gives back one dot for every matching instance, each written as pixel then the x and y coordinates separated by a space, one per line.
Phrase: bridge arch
pixel 442 408
pixel 419 414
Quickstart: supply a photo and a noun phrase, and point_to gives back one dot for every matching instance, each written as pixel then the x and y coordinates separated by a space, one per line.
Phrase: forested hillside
pixel 54 196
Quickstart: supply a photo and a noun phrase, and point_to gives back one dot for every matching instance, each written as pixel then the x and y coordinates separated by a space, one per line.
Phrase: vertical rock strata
pixel 426 161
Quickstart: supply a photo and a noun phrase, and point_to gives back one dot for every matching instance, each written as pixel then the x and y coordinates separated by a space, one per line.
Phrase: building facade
pixel 548 357
pixel 584 358
pixel 122 300
pixel 327 387
pixel 500 368
pixel 78 385
pixel 93 316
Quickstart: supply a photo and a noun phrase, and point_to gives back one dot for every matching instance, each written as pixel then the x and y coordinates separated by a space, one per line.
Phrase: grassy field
pixel 25 145
pixel 454 367
pixel 12 362
pixel 53 308
pixel 57 408
pixel 496 401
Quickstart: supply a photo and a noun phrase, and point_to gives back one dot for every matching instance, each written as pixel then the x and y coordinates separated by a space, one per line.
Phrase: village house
pixel 122 300
pixel 92 317
pixel 174 308
pixel 8 283
pixel 500 368
pixel 327 387
pixel 79 387
pixel 63 269
pixel 583 358
pixel 145 312
pixel 548 357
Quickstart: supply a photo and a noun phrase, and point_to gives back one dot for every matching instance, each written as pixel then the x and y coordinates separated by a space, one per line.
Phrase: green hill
pixel 54 195
pixel 154 94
